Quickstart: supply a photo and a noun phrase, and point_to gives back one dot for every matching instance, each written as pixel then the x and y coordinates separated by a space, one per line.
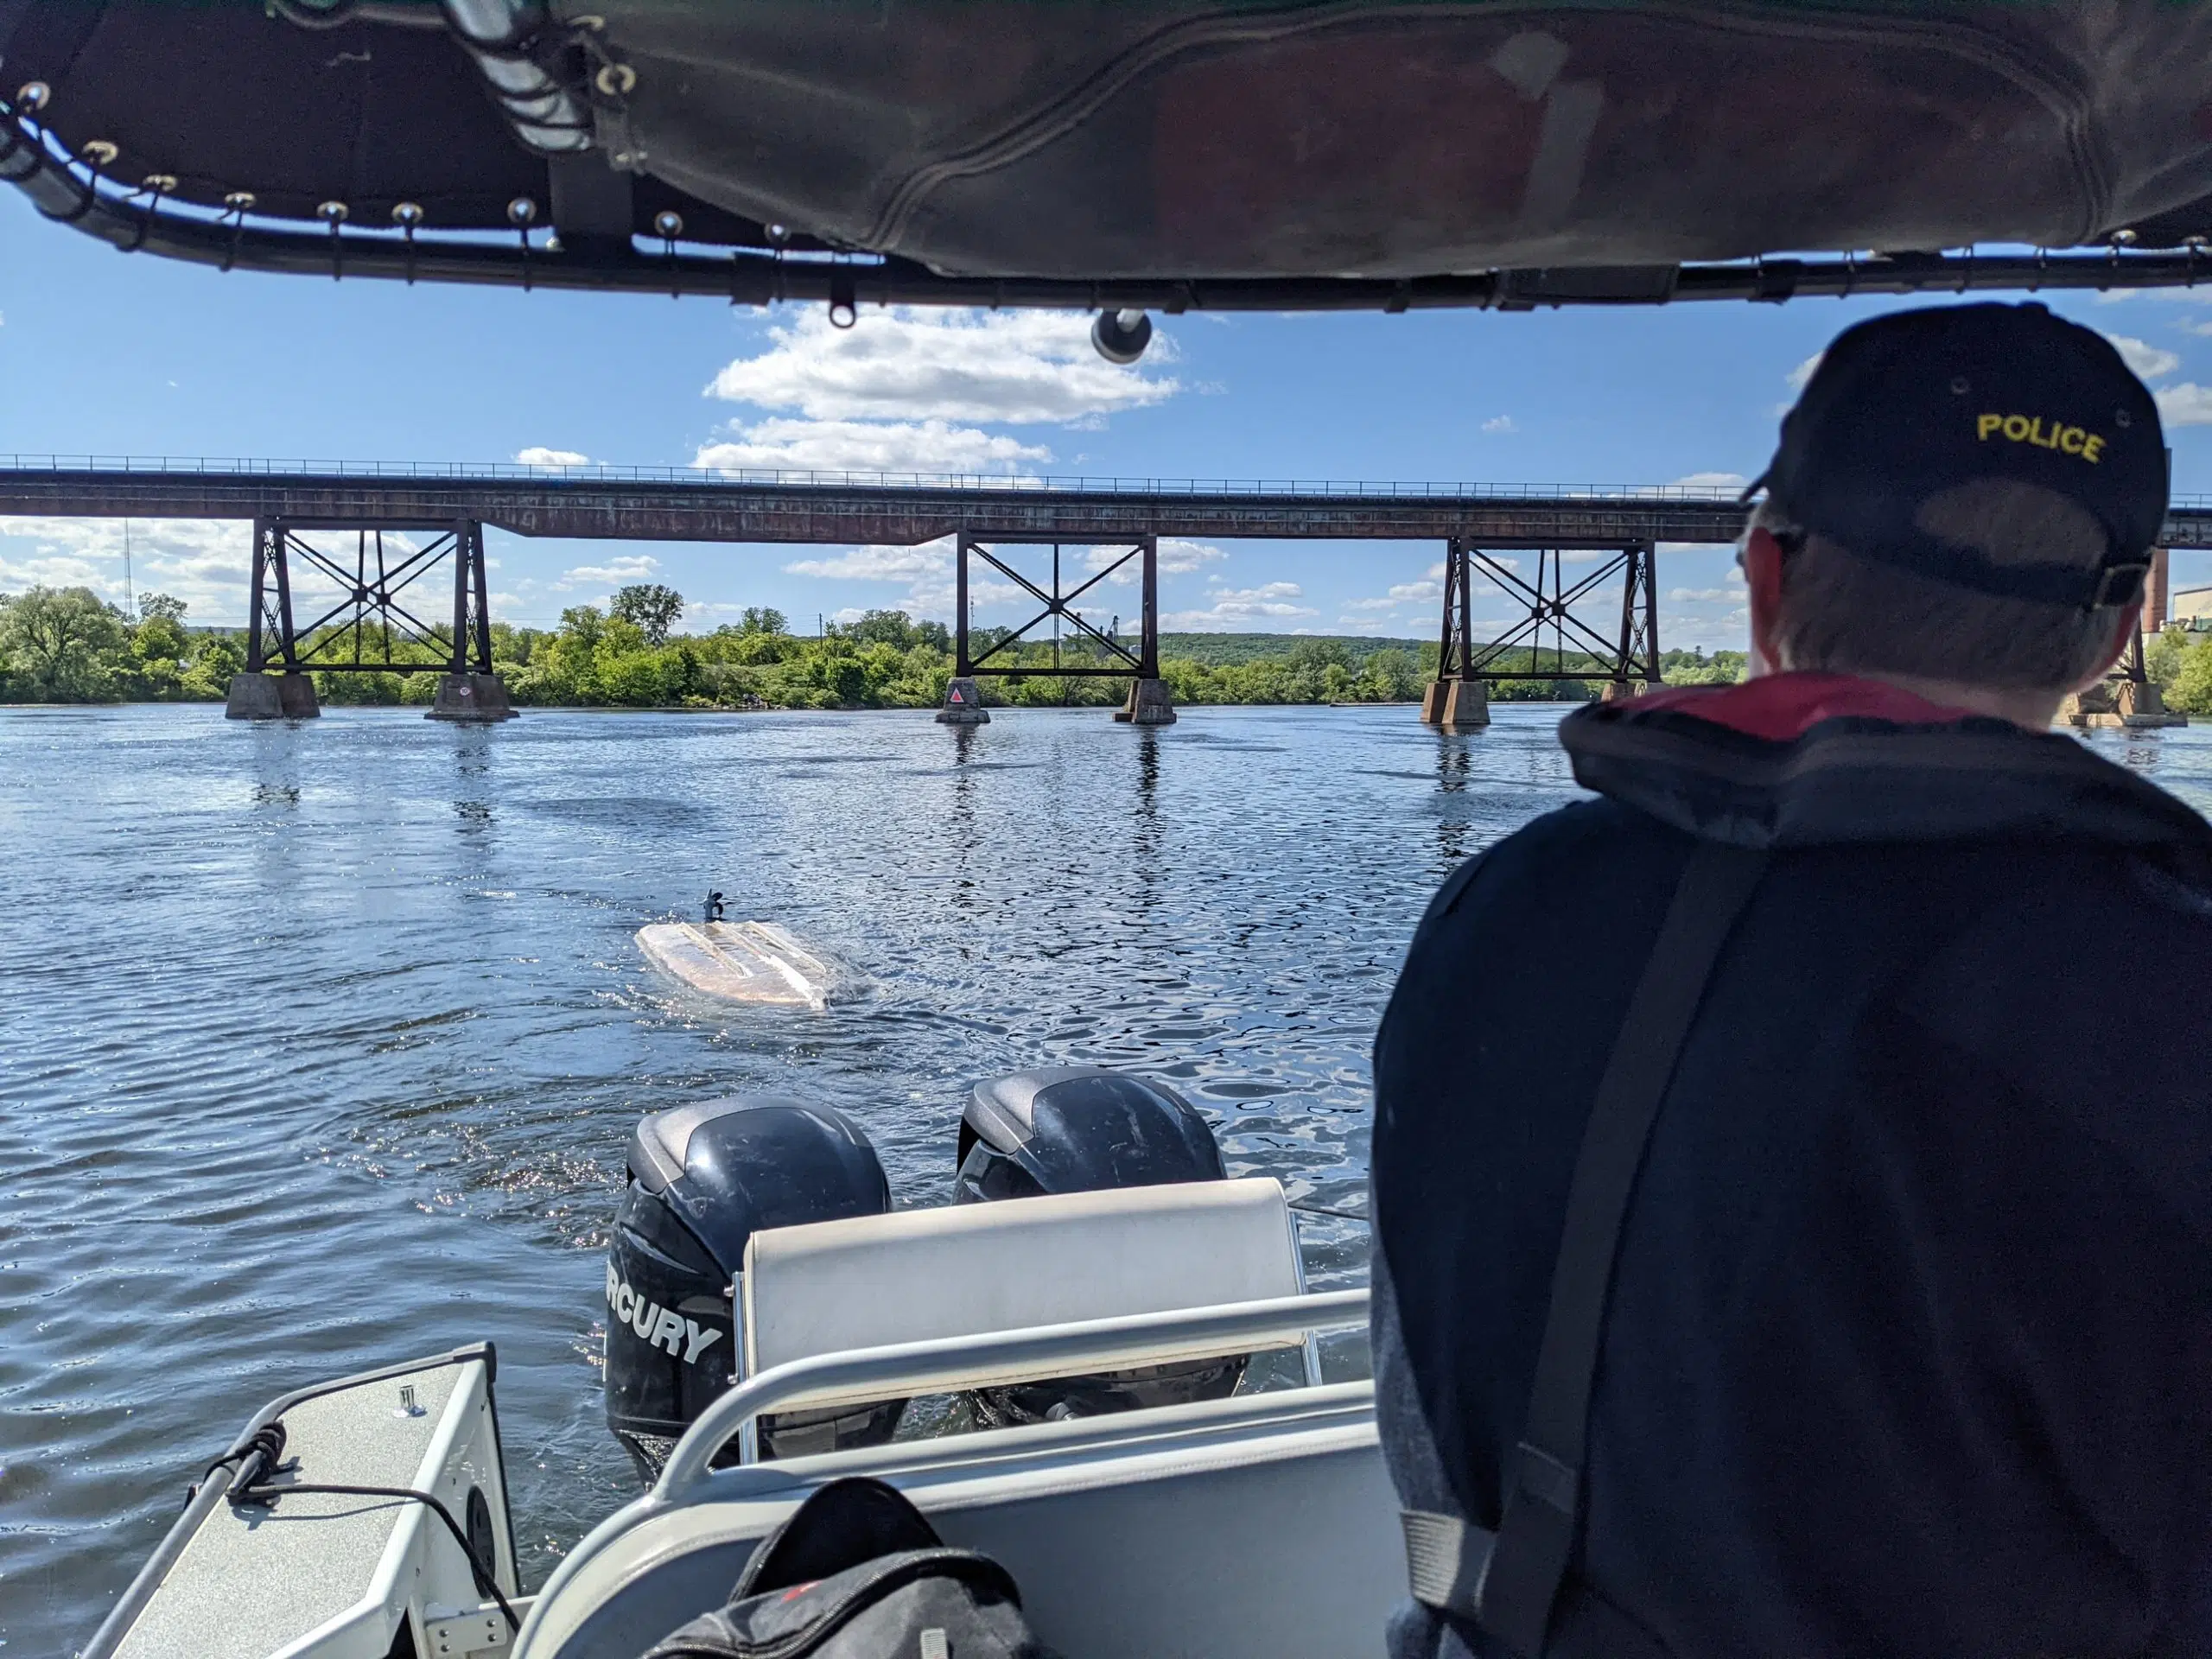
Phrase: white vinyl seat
pixel 1262 1524
pixel 1258 1527
pixel 920 1275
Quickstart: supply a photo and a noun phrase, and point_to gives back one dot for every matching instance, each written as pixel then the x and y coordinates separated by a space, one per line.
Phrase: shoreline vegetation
pixel 68 645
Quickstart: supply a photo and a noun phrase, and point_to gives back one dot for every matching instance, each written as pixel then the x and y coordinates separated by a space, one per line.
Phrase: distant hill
pixel 1218 650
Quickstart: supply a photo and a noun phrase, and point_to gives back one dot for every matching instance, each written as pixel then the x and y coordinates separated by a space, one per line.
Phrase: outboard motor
pixel 702 1178
pixel 1075 1129
pixel 1078 1129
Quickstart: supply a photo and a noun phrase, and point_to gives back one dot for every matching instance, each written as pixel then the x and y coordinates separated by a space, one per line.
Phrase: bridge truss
pixel 374 613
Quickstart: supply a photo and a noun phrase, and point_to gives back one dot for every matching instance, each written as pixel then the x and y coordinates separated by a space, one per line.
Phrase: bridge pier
pixel 479 698
pixel 271 696
pixel 964 703
pixel 2127 697
pixel 1457 698
pixel 1148 702
pixel 369 628
pixel 1628 660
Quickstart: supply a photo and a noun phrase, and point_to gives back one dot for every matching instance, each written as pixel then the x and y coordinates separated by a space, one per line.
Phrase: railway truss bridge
pixel 1574 570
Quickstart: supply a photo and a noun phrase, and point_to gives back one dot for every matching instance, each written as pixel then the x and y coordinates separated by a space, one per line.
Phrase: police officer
pixel 1793 1168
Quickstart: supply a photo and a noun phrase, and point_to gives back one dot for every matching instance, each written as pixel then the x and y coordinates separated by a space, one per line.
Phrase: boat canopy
pixel 1105 153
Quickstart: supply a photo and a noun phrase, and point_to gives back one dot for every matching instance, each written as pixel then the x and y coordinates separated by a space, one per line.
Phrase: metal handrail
pixel 711 477
pixel 994 1356
pixel 1053 483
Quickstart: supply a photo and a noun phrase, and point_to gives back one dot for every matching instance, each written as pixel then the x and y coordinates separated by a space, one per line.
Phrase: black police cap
pixel 1906 406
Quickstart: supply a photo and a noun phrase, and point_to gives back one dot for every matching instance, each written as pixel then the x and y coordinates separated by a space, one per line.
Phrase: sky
pixel 114 354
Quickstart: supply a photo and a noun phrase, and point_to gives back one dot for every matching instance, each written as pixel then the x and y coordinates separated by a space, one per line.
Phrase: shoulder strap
pixel 1513 1590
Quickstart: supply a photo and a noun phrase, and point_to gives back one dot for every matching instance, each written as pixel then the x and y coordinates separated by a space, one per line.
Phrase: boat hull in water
pixel 737 961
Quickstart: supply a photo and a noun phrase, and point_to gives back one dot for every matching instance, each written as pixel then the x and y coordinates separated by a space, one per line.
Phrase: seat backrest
pixel 918 1275
pixel 1258 1527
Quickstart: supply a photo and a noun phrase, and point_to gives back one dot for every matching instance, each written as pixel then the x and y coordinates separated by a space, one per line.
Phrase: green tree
pixel 149 668
pixel 652 606
pixel 581 623
pixel 60 641
pixel 160 608
pixel 215 658
pixel 2191 691
pixel 1390 675
pixel 762 619
pixel 1319 654
pixel 882 627
pixel 2163 654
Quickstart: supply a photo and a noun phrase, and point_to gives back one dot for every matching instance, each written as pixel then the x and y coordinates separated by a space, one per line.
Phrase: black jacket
pixel 1910 1344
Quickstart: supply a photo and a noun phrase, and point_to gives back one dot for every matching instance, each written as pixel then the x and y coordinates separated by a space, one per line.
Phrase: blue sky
pixel 114 354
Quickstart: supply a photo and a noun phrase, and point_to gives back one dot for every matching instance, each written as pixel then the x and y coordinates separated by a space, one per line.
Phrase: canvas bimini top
pixel 1172 153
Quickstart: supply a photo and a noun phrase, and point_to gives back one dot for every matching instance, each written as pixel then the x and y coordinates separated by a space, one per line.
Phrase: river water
pixel 319 1045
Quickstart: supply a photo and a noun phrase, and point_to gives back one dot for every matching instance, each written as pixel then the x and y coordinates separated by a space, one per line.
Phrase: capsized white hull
pixel 739 961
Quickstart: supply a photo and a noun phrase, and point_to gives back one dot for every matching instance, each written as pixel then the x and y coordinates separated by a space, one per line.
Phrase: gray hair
pixel 1842 614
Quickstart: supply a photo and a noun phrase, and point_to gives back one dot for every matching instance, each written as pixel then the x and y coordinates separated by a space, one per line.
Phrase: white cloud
pixel 1500 423
pixel 2185 404
pixel 1711 481
pixel 1269 602
pixel 2186 295
pixel 913 364
pixel 207 564
pixel 2200 329
pixel 1427 591
pixel 1178 556
pixel 926 570
pixel 931 446
pixel 878 563
pixel 2147 360
pixel 538 455
pixel 1803 373
pixel 1693 629
pixel 629 567
pixel 1704 595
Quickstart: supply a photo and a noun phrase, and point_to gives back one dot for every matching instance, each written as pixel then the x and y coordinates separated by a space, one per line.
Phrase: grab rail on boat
pixel 992 1357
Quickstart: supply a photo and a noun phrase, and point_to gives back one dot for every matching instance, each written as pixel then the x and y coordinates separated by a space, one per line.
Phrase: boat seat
pixel 1264 1525
pixel 918 1275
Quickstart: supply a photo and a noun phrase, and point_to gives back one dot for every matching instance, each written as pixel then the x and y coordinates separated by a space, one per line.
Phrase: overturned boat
pixel 739 961
pixel 1124 1333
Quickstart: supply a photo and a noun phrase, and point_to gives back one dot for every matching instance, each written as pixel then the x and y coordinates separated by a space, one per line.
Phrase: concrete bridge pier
pixel 1147 704
pixel 1456 705
pixel 964 704
pixel 479 699
pixel 257 695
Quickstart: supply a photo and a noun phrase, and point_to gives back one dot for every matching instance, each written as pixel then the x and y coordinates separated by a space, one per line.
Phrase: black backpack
pixel 857 1573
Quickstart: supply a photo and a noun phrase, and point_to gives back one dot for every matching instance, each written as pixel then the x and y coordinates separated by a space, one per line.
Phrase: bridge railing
pixel 593 472
pixel 1057 484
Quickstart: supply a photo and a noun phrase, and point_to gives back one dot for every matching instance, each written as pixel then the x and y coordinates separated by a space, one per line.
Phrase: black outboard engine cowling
pixel 703 1180
pixel 1078 1129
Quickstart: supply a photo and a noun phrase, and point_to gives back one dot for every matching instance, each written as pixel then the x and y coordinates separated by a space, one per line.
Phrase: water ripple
pixel 318 1045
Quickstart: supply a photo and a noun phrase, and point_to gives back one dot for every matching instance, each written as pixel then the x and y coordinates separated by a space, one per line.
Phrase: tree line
pixel 69 646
